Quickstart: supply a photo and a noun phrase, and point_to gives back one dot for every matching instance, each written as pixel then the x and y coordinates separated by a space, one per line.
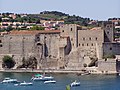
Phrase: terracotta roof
pixel 28 32
pixel 96 28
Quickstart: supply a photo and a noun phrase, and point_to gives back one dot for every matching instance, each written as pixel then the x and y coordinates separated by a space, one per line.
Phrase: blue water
pixel 88 82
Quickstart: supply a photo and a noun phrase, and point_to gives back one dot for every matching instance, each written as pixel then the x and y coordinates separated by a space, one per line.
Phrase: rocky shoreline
pixel 78 72
pixel 38 70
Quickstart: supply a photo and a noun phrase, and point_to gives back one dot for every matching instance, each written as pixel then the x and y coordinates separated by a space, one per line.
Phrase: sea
pixel 88 82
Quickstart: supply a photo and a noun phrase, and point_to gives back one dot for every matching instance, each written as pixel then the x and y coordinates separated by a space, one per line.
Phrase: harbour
pixel 87 82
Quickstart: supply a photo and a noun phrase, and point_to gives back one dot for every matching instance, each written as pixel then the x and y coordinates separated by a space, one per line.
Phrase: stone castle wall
pixel 111 48
pixel 107 66
pixel 70 48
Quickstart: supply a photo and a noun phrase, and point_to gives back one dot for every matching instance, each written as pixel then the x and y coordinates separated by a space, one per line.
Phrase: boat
pixel 9 80
pixel 40 77
pixel 86 73
pixel 50 81
pixel 75 83
pixel 26 83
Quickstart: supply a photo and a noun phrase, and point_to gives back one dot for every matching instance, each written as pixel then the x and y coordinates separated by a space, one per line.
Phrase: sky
pixel 93 9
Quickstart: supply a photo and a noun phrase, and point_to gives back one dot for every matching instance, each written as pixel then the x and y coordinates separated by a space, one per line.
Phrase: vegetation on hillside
pixel 49 15
pixel 37 28
pixel 54 15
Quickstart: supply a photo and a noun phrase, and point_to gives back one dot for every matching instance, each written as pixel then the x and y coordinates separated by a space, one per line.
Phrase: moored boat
pixel 9 80
pixel 50 81
pixel 75 83
pixel 42 77
pixel 26 83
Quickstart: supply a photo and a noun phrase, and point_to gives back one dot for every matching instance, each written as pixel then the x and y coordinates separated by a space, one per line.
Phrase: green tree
pixel 9 28
pixel 8 62
pixel 37 28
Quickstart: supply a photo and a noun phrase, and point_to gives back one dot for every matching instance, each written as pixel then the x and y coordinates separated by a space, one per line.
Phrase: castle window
pixel 110 48
pixel 107 32
pixel 83 39
pixel 87 44
pixel 71 39
pixel 107 26
pixel 73 44
pixel 0 41
pixel 38 39
pixel 71 29
pixel 45 37
pixel 62 30
pixel 79 44
pixel 23 37
pixel 0 45
pixel 96 38
pixel 92 44
pixel 90 38
pixel 82 44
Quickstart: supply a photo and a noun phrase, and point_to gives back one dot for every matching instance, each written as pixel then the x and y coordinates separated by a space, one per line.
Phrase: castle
pixel 69 48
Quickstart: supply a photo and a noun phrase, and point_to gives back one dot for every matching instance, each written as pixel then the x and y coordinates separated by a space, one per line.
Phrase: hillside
pixel 54 15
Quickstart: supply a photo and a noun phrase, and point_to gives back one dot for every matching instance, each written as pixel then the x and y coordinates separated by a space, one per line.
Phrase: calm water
pixel 89 82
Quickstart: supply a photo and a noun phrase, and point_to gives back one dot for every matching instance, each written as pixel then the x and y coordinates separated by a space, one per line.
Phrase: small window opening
pixel 90 38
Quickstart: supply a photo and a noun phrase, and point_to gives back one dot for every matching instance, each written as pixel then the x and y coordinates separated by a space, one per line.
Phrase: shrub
pixel 8 62
pixel 109 56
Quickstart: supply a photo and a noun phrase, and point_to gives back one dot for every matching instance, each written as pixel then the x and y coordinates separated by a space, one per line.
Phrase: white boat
pixel 50 81
pixel 75 83
pixel 9 80
pixel 42 77
pixel 85 73
pixel 26 83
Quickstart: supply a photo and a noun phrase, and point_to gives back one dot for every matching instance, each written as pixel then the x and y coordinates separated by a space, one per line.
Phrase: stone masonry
pixel 68 48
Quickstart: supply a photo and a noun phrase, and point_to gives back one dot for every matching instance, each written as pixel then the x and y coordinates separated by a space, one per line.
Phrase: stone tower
pixel 72 31
pixel 108 32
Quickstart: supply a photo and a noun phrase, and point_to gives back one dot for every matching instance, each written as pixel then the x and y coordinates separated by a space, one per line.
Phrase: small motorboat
pixel 26 83
pixel 9 80
pixel 86 73
pixel 50 81
pixel 75 83
pixel 40 77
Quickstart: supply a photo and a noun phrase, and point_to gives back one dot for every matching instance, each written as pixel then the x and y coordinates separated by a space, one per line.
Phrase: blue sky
pixel 94 9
